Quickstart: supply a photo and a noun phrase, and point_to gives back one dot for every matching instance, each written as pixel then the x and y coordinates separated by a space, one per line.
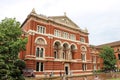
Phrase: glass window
pixel 41 29
pixel 72 36
pixel 39 52
pixel 84 67
pixel 57 33
pixel 83 57
pixel 39 66
pixel 55 55
pixel 82 39
pixel 119 56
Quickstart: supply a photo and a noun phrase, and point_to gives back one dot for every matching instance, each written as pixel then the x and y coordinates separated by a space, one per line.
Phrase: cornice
pixel 43 17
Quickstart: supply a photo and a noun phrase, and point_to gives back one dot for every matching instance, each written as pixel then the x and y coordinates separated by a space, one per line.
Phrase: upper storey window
pixel 57 33
pixel 82 39
pixel 66 35
pixel 72 36
pixel 41 29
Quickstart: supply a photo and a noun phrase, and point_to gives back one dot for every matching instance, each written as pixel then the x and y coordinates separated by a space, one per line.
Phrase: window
pixel 94 59
pixel 41 29
pixel 83 57
pixel 94 66
pixel 57 33
pixel 66 35
pixel 83 49
pixel 39 66
pixel 40 41
pixel 82 39
pixel 55 55
pixel 39 52
pixel 63 55
pixel 119 56
pixel 84 67
pixel 72 37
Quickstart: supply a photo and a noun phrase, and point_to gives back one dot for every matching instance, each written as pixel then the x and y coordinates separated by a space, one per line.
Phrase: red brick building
pixel 116 47
pixel 56 44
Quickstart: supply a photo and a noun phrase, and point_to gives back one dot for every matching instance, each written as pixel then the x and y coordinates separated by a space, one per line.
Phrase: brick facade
pixel 56 44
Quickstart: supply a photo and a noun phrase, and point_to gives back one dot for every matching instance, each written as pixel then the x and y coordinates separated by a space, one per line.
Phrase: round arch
pixel 75 46
pixel 41 38
pixel 66 44
pixel 57 41
pixel 83 48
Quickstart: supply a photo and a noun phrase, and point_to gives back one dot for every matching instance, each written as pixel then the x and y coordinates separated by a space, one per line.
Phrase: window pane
pixel 37 66
pixel 37 52
pixel 41 52
pixel 41 67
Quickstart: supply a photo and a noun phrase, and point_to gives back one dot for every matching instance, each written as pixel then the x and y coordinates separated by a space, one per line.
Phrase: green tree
pixel 11 43
pixel 109 60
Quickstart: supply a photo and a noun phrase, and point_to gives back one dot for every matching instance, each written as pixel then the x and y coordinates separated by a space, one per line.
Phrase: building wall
pixel 76 65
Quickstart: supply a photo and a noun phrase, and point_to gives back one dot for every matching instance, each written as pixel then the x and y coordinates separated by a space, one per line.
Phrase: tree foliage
pixel 11 43
pixel 109 60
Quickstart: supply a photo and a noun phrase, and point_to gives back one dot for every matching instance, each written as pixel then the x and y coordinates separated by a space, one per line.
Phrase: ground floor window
pixel 84 67
pixel 39 66
pixel 119 56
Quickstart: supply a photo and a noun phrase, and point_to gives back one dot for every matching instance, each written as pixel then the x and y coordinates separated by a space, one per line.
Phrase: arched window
pixel 65 51
pixel 40 41
pixel 64 55
pixel 57 47
pixel 83 48
pixel 39 52
pixel 72 48
pixel 83 53
pixel 55 54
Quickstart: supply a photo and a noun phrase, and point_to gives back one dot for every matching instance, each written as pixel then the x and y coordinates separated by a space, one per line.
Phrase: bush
pixel 20 64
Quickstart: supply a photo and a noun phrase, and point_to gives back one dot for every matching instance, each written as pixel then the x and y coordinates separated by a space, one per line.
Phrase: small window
pixel 72 37
pixel 119 56
pixel 57 33
pixel 39 52
pixel 82 39
pixel 39 66
pixel 41 29
pixel 66 35
pixel 55 55
pixel 83 57
pixel 84 67
pixel 64 55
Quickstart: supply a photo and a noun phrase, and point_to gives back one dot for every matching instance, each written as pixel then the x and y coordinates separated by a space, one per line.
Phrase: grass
pixel 114 79
pixel 29 78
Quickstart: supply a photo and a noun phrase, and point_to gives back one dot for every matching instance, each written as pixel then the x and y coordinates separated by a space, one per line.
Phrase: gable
pixel 64 20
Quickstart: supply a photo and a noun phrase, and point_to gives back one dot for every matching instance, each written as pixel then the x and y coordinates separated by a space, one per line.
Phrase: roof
pixel 64 20
pixel 112 44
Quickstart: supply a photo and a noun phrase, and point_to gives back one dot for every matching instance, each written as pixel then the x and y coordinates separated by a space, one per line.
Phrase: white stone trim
pixel 41 38
pixel 57 41
pixel 52 35
pixel 74 45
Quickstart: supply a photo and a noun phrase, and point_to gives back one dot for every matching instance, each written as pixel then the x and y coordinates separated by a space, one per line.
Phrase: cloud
pixel 101 17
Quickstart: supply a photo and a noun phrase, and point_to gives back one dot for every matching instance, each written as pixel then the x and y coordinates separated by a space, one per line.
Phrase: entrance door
pixel 66 70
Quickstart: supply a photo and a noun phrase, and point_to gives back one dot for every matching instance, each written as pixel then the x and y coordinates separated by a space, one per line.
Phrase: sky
pixel 100 17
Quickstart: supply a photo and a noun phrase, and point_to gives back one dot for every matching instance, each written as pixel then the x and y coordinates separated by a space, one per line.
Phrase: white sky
pixel 100 17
